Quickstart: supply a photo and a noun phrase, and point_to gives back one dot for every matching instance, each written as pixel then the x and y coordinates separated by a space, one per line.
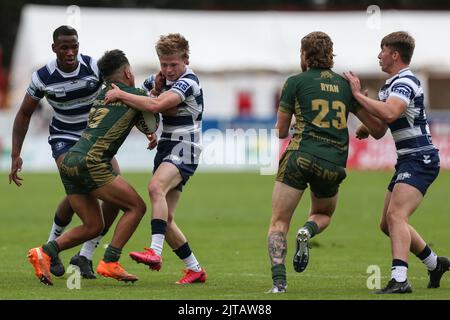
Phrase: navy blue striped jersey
pixel 70 94
pixel 410 131
pixel 187 124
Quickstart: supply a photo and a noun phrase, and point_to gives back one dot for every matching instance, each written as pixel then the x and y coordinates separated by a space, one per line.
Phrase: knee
pixel 141 208
pixel 394 217
pixel 95 229
pixel 155 189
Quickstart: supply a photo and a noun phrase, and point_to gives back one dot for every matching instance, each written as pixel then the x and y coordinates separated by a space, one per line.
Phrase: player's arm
pixel 388 111
pixel 371 125
pixel 283 123
pixel 162 103
pixel 20 129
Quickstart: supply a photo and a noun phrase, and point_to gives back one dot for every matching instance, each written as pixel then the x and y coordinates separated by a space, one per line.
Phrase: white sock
pixel 55 232
pixel 88 248
pixel 399 273
pixel 192 263
pixel 431 261
pixel 157 243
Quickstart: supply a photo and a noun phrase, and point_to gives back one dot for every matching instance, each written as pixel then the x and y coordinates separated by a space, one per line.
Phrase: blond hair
pixel 402 42
pixel 318 49
pixel 173 44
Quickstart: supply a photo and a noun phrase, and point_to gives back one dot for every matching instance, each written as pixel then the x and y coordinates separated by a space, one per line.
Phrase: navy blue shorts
pixel 180 156
pixel 418 169
pixel 60 146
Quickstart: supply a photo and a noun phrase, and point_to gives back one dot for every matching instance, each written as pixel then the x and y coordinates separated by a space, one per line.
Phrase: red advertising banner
pixel 371 154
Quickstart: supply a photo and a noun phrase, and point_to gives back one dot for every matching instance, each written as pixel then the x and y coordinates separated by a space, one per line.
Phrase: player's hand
pixel 153 141
pixel 362 132
pixel 113 94
pixel 353 79
pixel 160 82
pixel 16 167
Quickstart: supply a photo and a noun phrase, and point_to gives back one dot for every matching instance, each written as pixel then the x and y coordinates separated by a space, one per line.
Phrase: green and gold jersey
pixel 107 128
pixel 320 99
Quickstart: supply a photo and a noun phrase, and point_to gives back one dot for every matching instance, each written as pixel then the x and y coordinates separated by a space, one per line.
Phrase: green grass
pixel 225 217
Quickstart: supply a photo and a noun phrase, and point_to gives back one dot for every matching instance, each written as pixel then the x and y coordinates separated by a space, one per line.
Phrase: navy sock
pixel 158 226
pixel 183 252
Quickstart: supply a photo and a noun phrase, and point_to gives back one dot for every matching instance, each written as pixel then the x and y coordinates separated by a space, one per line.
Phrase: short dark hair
pixel 111 61
pixel 64 31
pixel 402 42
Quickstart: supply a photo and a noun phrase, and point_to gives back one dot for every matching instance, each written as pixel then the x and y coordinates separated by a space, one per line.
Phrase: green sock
pixel 279 273
pixel 112 254
pixel 51 248
pixel 312 228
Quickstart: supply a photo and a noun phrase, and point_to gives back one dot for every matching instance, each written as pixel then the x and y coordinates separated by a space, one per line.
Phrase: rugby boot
pixel 442 266
pixel 85 266
pixel 148 257
pixel 115 270
pixel 41 264
pixel 278 288
pixel 396 287
pixel 57 267
pixel 301 257
pixel 191 276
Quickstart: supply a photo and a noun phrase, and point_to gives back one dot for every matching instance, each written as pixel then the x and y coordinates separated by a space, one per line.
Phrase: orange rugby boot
pixel 115 270
pixel 41 264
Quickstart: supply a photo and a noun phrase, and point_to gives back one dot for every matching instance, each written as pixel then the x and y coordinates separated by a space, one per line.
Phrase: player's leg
pixel 284 201
pixel 403 201
pixel 123 195
pixel 88 210
pixel 83 259
pixel 325 179
pixel 63 215
pixel 319 218
pixel 178 242
pixel 165 178
pixel 435 265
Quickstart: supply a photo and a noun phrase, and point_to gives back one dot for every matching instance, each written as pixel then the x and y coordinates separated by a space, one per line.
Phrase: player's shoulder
pixel 408 78
pixel 190 75
pixel 89 63
pixel 44 73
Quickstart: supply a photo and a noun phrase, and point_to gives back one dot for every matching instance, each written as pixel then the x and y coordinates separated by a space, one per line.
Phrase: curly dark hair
pixel 318 49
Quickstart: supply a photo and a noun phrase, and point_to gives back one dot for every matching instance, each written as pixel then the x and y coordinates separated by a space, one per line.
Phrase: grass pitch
pixel 225 217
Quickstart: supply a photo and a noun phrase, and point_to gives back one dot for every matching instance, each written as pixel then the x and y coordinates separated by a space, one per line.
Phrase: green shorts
pixel 81 176
pixel 298 169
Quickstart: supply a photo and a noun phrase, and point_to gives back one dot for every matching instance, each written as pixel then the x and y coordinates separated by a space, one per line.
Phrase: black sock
pixel 312 228
pixel 112 254
pixel 183 252
pixel 51 248
pixel 425 253
pixel 158 226
pixel 57 220
pixel 279 274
